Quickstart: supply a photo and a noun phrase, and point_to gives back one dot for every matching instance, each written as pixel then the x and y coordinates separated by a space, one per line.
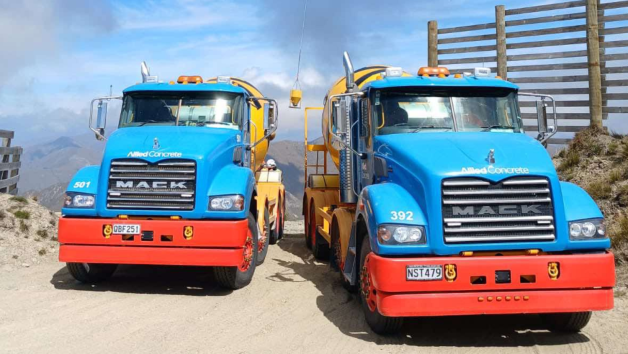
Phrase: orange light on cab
pixel 433 71
pixel 190 79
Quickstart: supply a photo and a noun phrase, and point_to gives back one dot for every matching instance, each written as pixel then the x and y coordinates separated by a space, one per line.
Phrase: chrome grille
pixel 165 185
pixel 514 209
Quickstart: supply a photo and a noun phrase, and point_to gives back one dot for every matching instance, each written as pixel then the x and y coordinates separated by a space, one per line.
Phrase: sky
pixel 60 54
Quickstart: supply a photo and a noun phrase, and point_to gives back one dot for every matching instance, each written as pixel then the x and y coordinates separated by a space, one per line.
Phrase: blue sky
pixel 70 51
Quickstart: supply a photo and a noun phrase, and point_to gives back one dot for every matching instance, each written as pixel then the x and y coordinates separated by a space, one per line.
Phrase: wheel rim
pixel 248 252
pixel 366 286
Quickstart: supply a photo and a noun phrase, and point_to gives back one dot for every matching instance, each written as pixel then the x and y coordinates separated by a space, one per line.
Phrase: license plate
pixel 126 229
pixel 424 272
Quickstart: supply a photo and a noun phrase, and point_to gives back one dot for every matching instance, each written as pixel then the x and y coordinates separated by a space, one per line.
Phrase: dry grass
pixel 22 214
pixel 23 226
pixel 19 199
pixel 598 161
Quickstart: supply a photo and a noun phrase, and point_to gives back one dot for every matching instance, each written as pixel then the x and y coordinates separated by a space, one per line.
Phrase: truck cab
pixel 177 183
pixel 443 205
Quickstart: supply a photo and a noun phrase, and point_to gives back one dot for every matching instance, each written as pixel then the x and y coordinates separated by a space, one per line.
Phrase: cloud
pixel 33 30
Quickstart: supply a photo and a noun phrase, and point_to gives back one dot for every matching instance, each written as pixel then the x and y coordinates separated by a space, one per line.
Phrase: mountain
pixel 54 162
pixel 48 167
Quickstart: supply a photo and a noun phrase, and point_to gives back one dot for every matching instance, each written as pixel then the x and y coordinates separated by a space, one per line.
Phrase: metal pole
pixel 593 57
pixel 432 44
pixel 500 31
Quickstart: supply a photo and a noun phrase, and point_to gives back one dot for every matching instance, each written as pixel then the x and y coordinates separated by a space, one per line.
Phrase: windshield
pixel 200 109
pixel 479 109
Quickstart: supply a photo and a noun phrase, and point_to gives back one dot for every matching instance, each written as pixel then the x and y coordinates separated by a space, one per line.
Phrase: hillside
pixel 598 162
pixel 28 233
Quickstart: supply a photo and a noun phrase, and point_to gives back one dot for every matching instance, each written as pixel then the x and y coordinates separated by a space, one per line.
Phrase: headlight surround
pixel 233 202
pixel 589 229
pixel 79 200
pixel 392 234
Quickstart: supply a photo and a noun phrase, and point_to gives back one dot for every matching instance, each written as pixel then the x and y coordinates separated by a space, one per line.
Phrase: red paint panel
pixel 207 233
pixel 454 304
pixel 584 271
pixel 150 255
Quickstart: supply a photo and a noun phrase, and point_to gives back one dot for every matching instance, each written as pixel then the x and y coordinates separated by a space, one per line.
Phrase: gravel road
pixel 294 304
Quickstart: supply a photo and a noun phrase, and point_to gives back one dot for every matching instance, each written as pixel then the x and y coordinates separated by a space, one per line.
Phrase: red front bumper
pixel 585 283
pixel 214 243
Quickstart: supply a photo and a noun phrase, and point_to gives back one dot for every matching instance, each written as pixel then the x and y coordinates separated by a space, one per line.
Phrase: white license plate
pixel 424 272
pixel 126 229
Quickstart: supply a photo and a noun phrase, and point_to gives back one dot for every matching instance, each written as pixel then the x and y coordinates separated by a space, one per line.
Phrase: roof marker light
pixel 223 79
pixel 393 72
pixel 482 72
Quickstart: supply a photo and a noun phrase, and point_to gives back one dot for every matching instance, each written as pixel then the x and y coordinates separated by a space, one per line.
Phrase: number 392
pixel 402 215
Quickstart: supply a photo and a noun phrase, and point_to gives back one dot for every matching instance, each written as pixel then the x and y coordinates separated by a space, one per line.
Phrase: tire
pixel 336 257
pixel 238 277
pixel 261 256
pixel 379 323
pixel 308 237
pixel 281 224
pixel 91 272
pixel 566 322
pixel 274 234
pixel 320 247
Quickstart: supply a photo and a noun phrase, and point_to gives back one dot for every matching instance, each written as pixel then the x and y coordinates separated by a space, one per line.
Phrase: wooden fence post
pixel 593 58
pixel 432 43
pixel 500 31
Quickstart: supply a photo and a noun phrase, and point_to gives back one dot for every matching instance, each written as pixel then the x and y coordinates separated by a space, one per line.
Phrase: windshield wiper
pixel 148 121
pixel 431 127
pixel 498 127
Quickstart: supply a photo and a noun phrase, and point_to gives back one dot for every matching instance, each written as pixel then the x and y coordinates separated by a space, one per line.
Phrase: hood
pixel 158 143
pixel 441 155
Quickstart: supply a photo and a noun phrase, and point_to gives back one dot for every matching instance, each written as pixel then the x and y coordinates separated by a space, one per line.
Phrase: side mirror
pixel 541 113
pixel 270 119
pixel 101 120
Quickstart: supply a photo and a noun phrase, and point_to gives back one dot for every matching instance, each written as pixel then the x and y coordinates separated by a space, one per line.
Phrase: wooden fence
pixel 571 50
pixel 10 165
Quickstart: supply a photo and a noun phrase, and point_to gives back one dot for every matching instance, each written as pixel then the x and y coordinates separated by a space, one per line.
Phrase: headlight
pixel 227 203
pixel 77 200
pixel 587 229
pixel 400 234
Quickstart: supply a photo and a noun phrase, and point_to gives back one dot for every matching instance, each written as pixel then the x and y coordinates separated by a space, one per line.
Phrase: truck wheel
pixel 91 272
pixel 308 237
pixel 238 277
pixel 282 213
pixel 264 239
pixel 566 322
pixel 379 323
pixel 274 234
pixel 320 247
pixel 336 257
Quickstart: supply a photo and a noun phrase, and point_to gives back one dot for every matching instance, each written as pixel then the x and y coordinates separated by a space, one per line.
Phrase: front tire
pixel 238 277
pixel 566 322
pixel 379 323
pixel 90 272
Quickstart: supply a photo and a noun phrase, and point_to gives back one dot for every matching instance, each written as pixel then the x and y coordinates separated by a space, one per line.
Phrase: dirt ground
pixel 294 304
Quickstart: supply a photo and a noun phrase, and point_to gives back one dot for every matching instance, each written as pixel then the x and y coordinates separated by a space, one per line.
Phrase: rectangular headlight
pixel 589 229
pixel 226 203
pixel 79 200
pixel 392 234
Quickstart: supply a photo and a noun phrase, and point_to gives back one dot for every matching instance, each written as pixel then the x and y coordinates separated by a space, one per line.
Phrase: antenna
pixel 110 90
